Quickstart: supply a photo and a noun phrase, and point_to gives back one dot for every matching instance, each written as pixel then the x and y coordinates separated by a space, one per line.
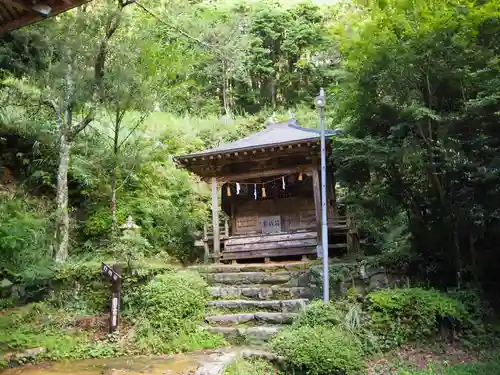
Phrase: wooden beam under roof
pixel 15 14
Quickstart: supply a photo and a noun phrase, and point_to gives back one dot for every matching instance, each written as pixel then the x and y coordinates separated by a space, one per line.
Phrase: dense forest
pixel 96 102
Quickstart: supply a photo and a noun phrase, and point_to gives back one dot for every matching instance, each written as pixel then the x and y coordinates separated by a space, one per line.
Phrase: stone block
pixel 230 319
pixel 260 334
pixel 242 278
pixel 275 318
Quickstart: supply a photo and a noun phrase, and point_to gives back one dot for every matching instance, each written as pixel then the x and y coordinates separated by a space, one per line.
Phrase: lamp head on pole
pixel 320 99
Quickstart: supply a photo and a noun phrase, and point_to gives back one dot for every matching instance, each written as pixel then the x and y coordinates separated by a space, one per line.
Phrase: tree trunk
pixel 67 131
pixel 116 149
pixel 65 119
pixel 225 94
pixel 62 220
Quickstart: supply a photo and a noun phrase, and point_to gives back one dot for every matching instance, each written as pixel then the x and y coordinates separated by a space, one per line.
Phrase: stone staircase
pixel 252 302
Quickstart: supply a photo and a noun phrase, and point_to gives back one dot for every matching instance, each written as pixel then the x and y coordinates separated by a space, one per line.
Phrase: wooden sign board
pixel 109 272
pixel 270 224
pixel 113 274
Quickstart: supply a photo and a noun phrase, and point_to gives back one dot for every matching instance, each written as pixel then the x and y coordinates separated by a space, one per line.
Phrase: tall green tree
pixel 417 93
pixel 73 86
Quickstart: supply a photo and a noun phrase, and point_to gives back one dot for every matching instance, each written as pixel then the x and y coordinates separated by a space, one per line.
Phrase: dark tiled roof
pixel 281 133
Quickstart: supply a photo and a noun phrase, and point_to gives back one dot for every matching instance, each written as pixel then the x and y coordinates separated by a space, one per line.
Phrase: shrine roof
pixel 15 14
pixel 275 134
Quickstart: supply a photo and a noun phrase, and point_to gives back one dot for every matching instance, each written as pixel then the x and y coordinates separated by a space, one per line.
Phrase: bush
pixel 411 314
pixel 80 287
pixel 251 367
pixel 168 312
pixel 319 313
pixel 172 299
pixel 320 350
pixel 345 314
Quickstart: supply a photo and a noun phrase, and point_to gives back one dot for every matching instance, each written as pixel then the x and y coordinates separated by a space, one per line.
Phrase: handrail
pixel 223 229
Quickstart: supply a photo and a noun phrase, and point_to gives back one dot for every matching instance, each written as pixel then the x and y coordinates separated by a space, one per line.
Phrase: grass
pixel 51 330
pixel 252 367
pixel 56 334
pixel 490 367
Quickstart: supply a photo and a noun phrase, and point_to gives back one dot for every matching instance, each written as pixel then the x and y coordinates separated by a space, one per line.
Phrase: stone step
pixel 260 292
pixel 254 267
pixel 256 318
pixel 250 335
pixel 290 305
pixel 243 278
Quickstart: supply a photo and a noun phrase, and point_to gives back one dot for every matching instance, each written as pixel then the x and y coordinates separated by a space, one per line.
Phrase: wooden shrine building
pixel 268 185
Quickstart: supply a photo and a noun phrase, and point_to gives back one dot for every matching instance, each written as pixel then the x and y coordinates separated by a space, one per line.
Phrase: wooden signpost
pixel 113 274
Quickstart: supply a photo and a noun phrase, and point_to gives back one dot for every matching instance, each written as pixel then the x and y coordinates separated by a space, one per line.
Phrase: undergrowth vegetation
pixel 488 367
pixel 343 335
pixel 162 315
pixel 96 104
pixel 167 313
pixel 398 316
pixel 24 238
pixel 252 367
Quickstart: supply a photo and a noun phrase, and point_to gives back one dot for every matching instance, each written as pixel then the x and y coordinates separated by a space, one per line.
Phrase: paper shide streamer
pixel 263 188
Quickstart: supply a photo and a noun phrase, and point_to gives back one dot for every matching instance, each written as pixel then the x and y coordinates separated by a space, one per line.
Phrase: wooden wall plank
pixel 271 238
pixel 296 213
pixel 272 245
pixel 268 253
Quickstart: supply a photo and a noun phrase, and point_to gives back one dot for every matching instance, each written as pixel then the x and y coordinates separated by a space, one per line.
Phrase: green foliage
pixel 24 238
pixel 164 315
pixel 485 367
pixel 168 312
pixel 131 247
pixel 386 319
pixel 319 313
pixel 308 343
pixel 79 286
pixel 167 217
pixel 411 76
pixel 346 314
pixel 251 367
pixel 173 297
pixel 402 315
pixel 320 350
pixel 41 326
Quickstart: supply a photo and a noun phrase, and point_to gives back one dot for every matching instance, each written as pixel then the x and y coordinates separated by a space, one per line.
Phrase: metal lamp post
pixel 320 104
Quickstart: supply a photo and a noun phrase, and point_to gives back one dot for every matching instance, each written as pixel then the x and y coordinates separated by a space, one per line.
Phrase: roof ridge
pixel 285 132
pixel 298 127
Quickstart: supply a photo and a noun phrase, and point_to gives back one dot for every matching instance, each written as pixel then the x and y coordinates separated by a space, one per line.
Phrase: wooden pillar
pixel 226 227
pixel 317 201
pixel 332 196
pixel 353 243
pixel 205 243
pixel 215 219
pixel 233 219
